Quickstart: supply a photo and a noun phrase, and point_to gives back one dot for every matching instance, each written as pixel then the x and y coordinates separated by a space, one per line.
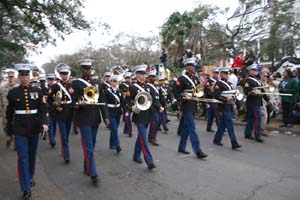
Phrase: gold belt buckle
pixel 28 111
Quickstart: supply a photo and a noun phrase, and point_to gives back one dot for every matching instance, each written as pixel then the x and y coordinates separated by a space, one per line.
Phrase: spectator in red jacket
pixel 238 63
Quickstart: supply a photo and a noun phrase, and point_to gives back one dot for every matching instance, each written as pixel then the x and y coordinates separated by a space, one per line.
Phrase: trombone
pixel 270 87
pixel 198 91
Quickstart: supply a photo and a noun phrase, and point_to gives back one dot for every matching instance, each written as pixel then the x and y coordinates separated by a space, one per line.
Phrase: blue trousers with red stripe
pixel 127 124
pixel 254 121
pixel 226 122
pixel 64 128
pixel 88 140
pixel 52 129
pixel 113 126
pixel 26 149
pixel 189 129
pixel 163 119
pixel 212 112
pixel 153 126
pixel 141 145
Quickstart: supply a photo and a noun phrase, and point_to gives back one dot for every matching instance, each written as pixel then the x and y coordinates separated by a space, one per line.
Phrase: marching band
pixel 32 108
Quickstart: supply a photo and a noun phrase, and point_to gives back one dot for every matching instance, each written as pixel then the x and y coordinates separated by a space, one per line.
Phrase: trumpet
pixel 90 96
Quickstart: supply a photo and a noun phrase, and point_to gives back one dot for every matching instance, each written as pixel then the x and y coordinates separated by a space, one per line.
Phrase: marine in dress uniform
pixel 156 107
pixel 43 85
pixel 115 105
pixel 26 116
pixel 124 88
pixel 52 111
pixel 225 109
pixel 253 103
pixel 212 111
pixel 4 92
pixel 62 92
pixel 140 118
pixel 163 98
pixel 106 80
pixel 188 81
pixel 88 117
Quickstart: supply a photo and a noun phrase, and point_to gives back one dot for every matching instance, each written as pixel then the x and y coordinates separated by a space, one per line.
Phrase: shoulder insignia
pixel 178 84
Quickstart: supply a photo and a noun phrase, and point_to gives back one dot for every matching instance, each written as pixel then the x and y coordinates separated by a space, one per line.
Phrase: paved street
pixel 269 171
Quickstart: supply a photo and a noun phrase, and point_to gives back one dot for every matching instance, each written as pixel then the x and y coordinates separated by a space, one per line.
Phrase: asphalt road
pixel 257 172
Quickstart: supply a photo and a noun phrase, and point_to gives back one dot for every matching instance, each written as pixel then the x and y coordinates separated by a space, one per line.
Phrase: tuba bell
pixel 143 101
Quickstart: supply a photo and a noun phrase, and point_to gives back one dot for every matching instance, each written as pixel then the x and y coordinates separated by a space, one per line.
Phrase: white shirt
pixel 233 80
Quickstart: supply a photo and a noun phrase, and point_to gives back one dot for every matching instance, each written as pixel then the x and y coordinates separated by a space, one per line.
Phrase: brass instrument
pixel 202 99
pixel 57 99
pixel 90 96
pixel 238 93
pixel 143 101
pixel 271 87
pixel 198 91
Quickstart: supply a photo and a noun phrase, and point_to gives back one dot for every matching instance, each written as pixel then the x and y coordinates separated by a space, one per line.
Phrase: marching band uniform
pixel 88 117
pixel 253 103
pixel 155 109
pixel 141 119
pixel 124 88
pixel 115 103
pixel 43 85
pixel 226 110
pixel 63 111
pixel 26 116
pixel 106 84
pixel 212 111
pixel 163 95
pixel 188 81
pixel 52 118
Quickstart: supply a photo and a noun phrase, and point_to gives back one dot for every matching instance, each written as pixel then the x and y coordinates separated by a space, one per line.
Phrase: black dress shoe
pixel 138 160
pixel 130 135
pixel 168 120
pixel 166 129
pixel 151 166
pixel 209 130
pixel 217 143
pixel 201 155
pixel 289 125
pixel 236 146
pixel 154 142
pixel 32 183
pixel 52 144
pixel 249 137
pixel 118 150
pixel 183 151
pixel 259 140
pixel 111 147
pixel 95 180
pixel 26 194
pixel 159 129
pixel 67 160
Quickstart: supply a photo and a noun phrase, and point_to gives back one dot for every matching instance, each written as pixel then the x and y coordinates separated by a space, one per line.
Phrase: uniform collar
pixel 140 83
pixel 191 75
pixel 24 86
pixel 223 79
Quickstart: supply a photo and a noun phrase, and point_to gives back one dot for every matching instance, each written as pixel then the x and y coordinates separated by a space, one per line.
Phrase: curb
pixel 268 127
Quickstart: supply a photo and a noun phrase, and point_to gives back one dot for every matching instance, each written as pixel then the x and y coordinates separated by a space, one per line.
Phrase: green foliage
pixel 26 24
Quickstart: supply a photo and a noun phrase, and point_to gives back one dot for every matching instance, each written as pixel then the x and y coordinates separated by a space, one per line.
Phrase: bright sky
pixel 142 17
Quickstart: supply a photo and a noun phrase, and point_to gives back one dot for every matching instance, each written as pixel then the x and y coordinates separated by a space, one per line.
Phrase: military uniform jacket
pixel 207 88
pixel 163 96
pixel 155 97
pixel 26 111
pixel 89 115
pixel 45 90
pixel 221 86
pixel 124 87
pixel 105 85
pixel 144 116
pixel 66 102
pixel 115 102
pixel 186 82
pixel 252 98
